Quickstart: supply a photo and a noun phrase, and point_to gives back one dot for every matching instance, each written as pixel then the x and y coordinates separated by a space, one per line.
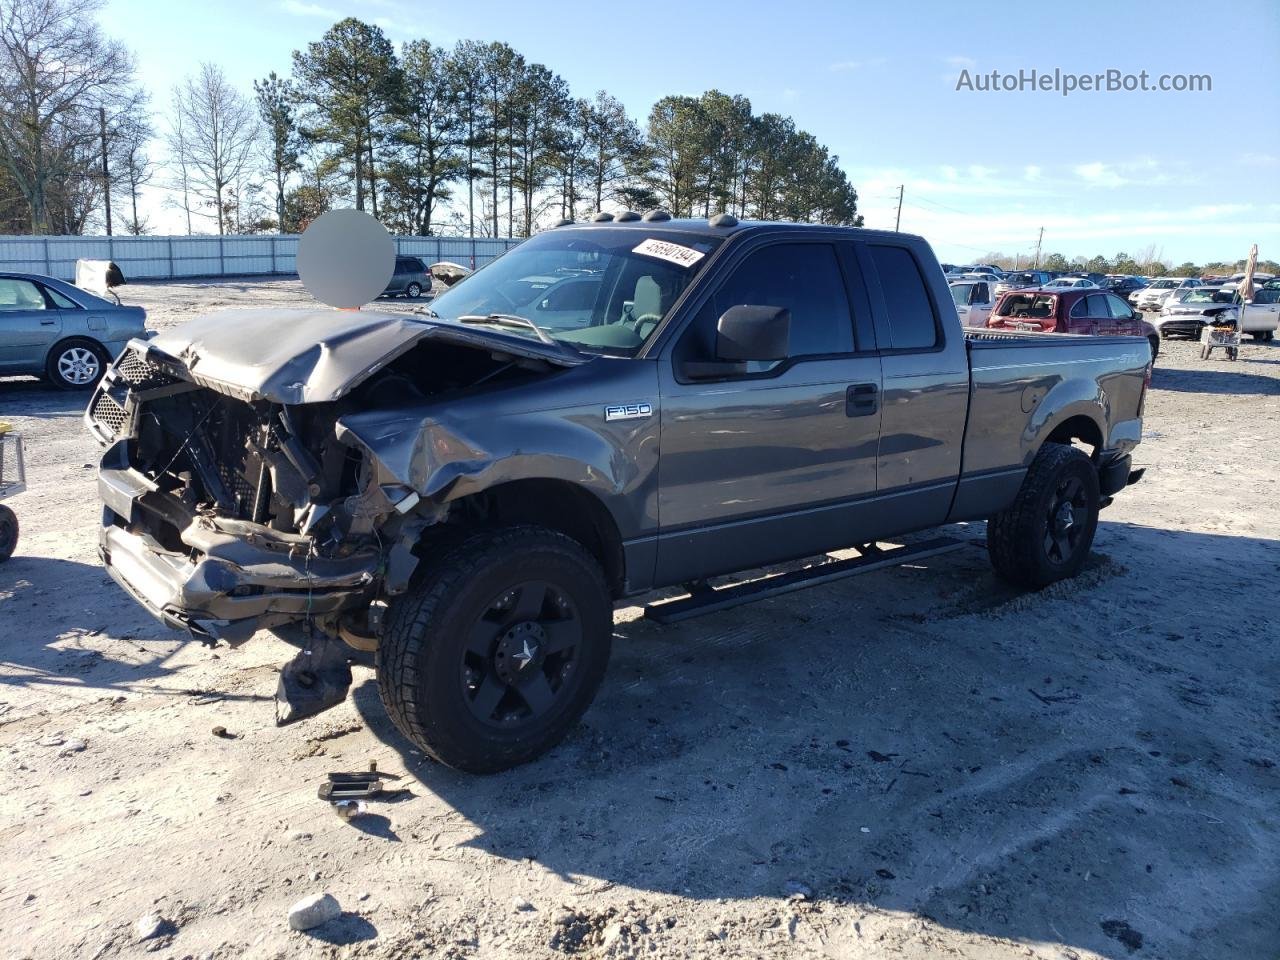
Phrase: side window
pixel 805 278
pixel 912 324
pixel 20 295
pixel 1119 309
pixel 1078 309
pixel 982 293
pixel 1097 309
pixel 59 300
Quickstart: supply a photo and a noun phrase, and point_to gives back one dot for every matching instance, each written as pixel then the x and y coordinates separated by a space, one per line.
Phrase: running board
pixel 706 599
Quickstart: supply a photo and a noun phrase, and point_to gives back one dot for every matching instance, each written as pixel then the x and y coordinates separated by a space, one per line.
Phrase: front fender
pixel 443 458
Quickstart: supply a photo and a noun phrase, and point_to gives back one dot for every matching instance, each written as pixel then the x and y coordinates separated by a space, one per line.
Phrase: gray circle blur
pixel 346 258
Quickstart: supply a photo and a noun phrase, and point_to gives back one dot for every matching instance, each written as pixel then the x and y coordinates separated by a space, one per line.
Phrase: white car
pixel 1069 283
pixel 974 300
pixel 1162 291
pixel 1190 312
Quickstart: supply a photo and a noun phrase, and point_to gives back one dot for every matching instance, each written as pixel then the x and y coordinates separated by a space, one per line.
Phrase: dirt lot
pixel 915 763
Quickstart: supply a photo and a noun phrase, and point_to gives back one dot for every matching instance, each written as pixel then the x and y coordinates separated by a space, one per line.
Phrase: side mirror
pixel 753 333
pixel 744 333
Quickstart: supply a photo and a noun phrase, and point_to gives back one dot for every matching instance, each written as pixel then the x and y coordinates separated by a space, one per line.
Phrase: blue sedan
pixel 52 329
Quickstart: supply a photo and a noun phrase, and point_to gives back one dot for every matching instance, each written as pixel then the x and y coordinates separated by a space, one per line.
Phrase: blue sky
pixel 1196 174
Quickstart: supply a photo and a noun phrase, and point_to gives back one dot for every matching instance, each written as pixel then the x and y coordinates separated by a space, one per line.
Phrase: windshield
pixel 1198 296
pixel 600 290
pixel 1164 284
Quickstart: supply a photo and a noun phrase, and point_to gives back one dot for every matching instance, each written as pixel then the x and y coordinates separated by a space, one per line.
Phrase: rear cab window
pixel 913 323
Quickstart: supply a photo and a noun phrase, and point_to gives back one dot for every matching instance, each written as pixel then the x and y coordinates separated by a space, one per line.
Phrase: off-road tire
pixel 54 362
pixel 1016 535
pixel 420 656
pixel 8 532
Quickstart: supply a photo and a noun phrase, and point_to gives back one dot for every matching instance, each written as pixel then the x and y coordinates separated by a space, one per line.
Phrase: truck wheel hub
pixel 519 652
pixel 1066 517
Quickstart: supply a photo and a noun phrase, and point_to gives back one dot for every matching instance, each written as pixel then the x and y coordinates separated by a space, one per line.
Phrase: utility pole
pixel 1038 241
pixel 898 220
pixel 106 172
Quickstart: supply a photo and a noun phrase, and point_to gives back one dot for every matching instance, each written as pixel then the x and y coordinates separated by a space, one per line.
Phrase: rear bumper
pixel 231 578
pixel 1117 474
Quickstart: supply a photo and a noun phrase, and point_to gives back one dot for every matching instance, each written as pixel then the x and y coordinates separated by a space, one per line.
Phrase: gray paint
pixel 719 476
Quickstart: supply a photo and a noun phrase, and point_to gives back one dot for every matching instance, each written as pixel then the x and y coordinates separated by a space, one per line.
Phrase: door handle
pixel 860 400
pixel 47 323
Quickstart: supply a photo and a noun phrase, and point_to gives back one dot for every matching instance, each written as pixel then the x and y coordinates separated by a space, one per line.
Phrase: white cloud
pixel 961 62
pixel 299 8
pixel 847 66
pixel 1260 159
pixel 1031 172
pixel 1099 174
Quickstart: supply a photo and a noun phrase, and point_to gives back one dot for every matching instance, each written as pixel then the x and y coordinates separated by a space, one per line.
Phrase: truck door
pixel 925 365
pixel 29 325
pixel 779 460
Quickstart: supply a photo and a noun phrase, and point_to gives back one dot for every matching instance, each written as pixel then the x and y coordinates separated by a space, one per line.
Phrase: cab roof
pixel 701 227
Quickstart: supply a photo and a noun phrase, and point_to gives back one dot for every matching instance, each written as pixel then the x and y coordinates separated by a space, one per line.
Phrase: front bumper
pixel 229 578
pixel 1188 325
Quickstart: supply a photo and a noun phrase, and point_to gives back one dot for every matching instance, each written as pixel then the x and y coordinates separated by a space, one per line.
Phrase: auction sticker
pixel 671 252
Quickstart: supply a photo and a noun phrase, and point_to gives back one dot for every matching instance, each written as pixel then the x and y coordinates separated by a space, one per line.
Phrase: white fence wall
pixel 176 257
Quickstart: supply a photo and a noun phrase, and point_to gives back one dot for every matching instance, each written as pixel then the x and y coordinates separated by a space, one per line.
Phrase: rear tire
pixel 1155 347
pixel 1046 533
pixel 497 649
pixel 8 532
pixel 413 290
pixel 76 364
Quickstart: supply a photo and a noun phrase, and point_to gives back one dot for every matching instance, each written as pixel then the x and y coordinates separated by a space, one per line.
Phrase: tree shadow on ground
pixel 1088 765
pixel 1222 379
pixel 48 637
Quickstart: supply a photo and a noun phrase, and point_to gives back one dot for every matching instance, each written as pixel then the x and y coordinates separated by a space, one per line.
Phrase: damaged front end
pixel 232 503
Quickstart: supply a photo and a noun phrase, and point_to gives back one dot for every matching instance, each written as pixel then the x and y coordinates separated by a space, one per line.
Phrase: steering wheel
pixel 640 321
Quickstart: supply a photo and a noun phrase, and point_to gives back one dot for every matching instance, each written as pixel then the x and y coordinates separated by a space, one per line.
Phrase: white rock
pixel 72 746
pixel 313 910
pixel 794 888
pixel 150 926
pixel 521 905
pixel 53 740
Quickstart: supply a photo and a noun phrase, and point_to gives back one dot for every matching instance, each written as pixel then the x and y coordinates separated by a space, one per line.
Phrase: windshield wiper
pixel 510 319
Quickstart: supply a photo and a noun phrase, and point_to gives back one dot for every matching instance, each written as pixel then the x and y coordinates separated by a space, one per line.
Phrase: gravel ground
pixel 915 763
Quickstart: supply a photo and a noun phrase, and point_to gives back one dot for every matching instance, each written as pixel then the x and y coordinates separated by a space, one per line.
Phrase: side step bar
pixel 706 599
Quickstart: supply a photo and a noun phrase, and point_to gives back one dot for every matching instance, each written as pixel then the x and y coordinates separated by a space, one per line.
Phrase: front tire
pixel 76 364
pixel 8 532
pixel 497 649
pixel 1046 533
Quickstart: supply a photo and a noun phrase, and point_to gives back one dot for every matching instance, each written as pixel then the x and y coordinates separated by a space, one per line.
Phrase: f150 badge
pixel 628 411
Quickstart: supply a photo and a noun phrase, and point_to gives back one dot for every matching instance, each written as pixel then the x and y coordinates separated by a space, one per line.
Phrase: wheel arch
pixel 557 504
pixel 1077 427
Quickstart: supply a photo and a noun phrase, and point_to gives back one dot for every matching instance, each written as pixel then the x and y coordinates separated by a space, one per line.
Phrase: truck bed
pixel 1038 382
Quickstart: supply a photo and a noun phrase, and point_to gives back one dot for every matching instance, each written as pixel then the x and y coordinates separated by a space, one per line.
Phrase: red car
pixel 1083 310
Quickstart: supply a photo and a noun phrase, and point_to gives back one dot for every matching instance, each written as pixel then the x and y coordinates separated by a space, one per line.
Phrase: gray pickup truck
pixel 610 408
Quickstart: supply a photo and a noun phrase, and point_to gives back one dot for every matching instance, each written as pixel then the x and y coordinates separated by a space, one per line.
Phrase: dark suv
pixel 412 278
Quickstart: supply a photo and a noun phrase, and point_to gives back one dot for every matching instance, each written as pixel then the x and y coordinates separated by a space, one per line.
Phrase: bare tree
pixel 219 135
pixel 56 71
pixel 134 168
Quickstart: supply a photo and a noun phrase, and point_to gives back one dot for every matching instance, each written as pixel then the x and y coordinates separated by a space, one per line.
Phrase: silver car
pixel 51 329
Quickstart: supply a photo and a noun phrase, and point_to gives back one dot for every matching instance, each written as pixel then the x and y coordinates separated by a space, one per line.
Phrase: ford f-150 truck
pixel 609 408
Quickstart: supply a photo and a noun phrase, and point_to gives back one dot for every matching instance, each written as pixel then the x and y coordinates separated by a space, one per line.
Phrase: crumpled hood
pixel 314 356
